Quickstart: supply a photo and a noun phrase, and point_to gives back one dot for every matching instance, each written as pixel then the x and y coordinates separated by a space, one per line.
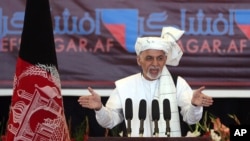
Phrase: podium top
pixel 149 139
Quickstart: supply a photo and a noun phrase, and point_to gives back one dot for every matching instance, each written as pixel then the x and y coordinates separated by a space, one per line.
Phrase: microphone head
pixel 166 109
pixel 155 110
pixel 142 110
pixel 128 109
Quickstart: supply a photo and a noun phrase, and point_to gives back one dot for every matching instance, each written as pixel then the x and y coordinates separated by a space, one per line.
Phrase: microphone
pixel 167 115
pixel 142 115
pixel 155 116
pixel 128 115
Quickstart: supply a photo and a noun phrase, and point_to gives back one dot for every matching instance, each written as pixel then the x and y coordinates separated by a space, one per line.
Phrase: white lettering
pixel 240 132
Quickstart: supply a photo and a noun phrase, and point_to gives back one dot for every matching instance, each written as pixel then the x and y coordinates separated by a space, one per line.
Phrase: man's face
pixel 152 63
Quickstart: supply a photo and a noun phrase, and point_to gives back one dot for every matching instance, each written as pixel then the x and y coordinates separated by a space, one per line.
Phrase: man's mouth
pixel 154 71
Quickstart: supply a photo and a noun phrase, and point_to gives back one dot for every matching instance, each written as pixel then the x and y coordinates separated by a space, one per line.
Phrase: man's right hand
pixel 92 101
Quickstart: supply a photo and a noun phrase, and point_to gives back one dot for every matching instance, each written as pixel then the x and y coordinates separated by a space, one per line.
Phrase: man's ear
pixel 138 61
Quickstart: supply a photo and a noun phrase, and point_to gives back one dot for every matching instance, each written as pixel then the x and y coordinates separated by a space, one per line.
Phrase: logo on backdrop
pixel 125 25
pixel 242 21
pixel 122 24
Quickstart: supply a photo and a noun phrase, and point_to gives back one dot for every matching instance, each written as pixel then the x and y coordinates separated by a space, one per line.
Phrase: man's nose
pixel 155 62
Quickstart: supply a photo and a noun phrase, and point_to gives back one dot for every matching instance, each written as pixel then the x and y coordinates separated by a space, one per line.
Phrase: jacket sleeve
pixel 110 115
pixel 191 114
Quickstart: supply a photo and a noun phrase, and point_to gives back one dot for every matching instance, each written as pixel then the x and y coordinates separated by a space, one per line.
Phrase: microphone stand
pixel 128 115
pixel 129 130
pixel 167 115
pixel 156 129
pixel 142 115
pixel 141 130
pixel 167 128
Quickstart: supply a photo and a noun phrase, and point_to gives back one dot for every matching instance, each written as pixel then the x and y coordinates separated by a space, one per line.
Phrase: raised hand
pixel 92 101
pixel 200 99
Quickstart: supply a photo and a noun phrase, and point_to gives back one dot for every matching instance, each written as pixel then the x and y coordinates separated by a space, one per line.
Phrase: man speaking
pixel 153 82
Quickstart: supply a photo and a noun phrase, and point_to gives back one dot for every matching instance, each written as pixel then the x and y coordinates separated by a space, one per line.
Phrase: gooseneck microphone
pixel 142 115
pixel 155 116
pixel 167 115
pixel 128 115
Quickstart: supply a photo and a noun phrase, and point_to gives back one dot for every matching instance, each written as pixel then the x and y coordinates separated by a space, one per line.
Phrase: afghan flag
pixel 37 111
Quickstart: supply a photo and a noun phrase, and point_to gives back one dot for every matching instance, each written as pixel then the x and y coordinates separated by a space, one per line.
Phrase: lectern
pixel 149 139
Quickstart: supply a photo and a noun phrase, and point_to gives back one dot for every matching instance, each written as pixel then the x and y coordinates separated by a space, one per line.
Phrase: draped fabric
pixel 167 90
pixel 37 111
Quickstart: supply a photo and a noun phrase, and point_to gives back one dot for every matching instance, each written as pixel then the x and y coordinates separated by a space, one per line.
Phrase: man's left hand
pixel 200 99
